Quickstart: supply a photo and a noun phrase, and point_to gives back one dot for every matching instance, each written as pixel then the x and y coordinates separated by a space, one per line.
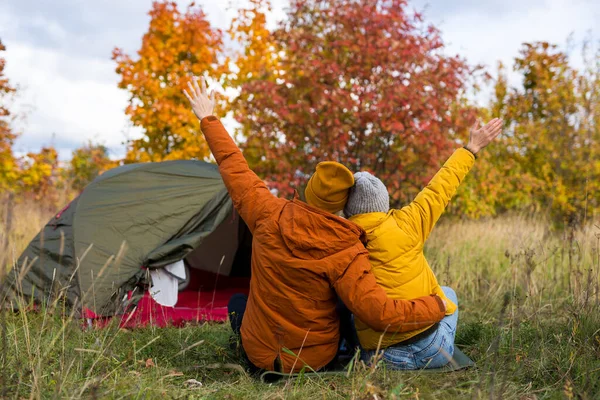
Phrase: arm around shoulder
pixel 362 295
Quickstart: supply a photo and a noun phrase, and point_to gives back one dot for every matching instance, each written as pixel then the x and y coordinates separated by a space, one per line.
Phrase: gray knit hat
pixel 367 195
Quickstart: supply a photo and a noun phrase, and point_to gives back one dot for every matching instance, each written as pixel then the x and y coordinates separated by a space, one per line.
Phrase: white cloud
pixel 486 32
pixel 70 100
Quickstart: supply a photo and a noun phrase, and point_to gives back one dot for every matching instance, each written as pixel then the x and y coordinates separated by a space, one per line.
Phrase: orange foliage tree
pixel 8 169
pixel 360 82
pixel 256 56
pixel 176 46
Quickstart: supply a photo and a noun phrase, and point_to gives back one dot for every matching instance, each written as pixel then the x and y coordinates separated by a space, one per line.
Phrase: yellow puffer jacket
pixel 396 240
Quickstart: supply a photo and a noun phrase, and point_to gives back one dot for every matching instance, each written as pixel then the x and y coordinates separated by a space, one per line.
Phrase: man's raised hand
pixel 481 137
pixel 203 105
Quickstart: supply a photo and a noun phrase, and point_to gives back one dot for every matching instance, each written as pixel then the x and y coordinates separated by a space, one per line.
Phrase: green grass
pixel 529 317
pixel 46 356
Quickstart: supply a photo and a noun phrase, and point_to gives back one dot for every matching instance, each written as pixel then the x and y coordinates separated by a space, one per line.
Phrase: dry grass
pixel 519 255
pixel 529 317
pixel 28 217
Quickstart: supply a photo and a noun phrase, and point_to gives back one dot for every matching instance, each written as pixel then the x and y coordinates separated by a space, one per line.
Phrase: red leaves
pixel 362 84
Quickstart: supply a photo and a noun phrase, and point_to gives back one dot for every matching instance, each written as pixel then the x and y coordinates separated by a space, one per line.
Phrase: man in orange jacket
pixel 303 258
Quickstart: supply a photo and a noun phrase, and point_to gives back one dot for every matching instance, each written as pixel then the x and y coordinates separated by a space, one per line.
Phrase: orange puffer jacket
pixel 302 257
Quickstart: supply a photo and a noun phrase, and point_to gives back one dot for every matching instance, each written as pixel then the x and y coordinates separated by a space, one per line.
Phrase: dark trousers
pixel 236 309
pixel 348 338
pixel 349 342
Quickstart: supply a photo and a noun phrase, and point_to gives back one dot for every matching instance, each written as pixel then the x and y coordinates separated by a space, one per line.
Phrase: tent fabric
pixel 140 215
pixel 53 248
pixel 205 299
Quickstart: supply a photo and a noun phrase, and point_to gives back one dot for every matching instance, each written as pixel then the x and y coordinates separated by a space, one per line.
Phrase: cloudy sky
pixel 58 53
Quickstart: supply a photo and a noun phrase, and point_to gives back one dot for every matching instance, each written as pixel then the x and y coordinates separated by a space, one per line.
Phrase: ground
pixel 529 317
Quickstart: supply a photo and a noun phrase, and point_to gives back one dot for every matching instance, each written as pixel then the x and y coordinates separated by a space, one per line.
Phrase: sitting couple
pixel 306 259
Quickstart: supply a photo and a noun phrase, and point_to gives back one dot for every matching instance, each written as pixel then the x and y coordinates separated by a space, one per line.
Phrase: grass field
pixel 529 317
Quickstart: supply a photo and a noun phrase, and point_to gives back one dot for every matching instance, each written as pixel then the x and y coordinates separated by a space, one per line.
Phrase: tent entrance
pixel 215 271
pixel 217 251
pixel 205 299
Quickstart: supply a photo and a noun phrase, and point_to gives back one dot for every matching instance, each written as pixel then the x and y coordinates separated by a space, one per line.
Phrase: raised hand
pixel 203 105
pixel 481 137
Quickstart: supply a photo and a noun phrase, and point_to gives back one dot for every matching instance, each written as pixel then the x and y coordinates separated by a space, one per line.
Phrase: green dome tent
pixel 129 220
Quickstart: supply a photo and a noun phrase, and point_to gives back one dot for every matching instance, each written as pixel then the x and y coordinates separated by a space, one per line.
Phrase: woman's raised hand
pixel 481 137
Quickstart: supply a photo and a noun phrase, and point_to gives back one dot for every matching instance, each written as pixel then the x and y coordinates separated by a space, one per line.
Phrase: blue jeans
pixel 434 350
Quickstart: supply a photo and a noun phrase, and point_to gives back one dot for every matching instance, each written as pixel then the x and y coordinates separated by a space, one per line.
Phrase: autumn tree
pixel 176 46
pixel 34 175
pixel 39 175
pixel 256 58
pixel 552 141
pixel 88 162
pixel 257 53
pixel 8 173
pixel 361 82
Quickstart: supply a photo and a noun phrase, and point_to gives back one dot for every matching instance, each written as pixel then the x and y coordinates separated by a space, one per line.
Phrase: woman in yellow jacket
pixel 395 244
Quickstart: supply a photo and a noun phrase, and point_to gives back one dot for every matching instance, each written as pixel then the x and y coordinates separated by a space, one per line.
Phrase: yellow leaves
pixel 373 391
pixel 545 160
pixel 8 168
pixel 38 174
pixel 259 52
pixel 175 47
pixel 568 389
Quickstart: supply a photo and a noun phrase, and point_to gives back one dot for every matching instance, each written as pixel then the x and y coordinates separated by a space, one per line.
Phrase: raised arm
pixel 357 288
pixel 422 214
pixel 251 197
